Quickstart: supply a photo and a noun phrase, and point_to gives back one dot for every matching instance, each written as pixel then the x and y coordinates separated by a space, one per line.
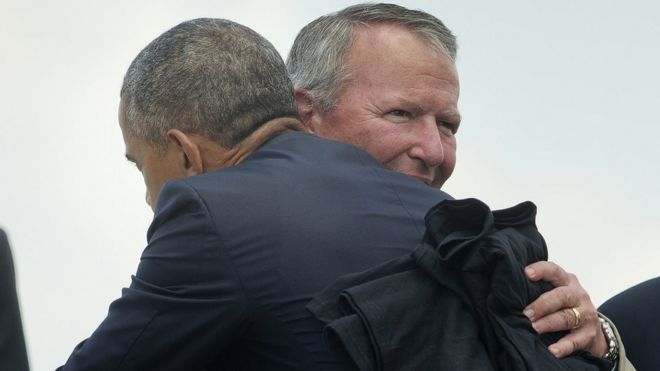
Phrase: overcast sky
pixel 559 102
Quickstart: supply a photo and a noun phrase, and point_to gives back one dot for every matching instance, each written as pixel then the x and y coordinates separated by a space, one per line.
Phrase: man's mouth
pixel 424 179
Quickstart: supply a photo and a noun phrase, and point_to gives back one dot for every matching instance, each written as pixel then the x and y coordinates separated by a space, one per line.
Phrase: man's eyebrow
pixel 411 103
pixel 450 113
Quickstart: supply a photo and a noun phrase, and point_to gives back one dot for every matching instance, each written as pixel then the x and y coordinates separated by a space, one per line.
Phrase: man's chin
pixel 438 183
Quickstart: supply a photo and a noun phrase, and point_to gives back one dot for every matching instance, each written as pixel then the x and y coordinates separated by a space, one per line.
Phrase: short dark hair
pixel 206 76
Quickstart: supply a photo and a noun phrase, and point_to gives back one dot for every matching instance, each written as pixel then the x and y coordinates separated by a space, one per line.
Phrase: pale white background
pixel 559 101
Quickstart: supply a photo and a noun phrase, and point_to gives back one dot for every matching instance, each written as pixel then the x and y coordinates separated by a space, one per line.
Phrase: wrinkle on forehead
pixel 388 49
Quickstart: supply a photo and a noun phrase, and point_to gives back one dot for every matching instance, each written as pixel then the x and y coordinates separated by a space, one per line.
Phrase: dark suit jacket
pixel 13 356
pixel 636 314
pixel 234 256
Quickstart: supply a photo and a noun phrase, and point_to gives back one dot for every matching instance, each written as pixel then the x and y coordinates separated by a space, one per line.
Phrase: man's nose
pixel 428 145
pixel 147 198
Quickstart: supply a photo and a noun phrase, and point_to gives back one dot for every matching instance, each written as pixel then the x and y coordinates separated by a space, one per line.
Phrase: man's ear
pixel 309 112
pixel 193 161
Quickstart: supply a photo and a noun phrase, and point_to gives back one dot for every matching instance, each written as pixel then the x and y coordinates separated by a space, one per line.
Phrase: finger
pixel 551 302
pixel 558 321
pixel 570 343
pixel 587 337
pixel 547 271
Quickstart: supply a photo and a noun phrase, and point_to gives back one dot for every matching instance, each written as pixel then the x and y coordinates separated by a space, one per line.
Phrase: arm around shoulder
pixel 184 302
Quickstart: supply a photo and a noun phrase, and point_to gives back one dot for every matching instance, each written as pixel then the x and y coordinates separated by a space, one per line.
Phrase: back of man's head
pixel 316 62
pixel 211 77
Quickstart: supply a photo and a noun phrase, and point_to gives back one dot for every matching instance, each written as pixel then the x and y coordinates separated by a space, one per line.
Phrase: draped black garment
pixel 454 303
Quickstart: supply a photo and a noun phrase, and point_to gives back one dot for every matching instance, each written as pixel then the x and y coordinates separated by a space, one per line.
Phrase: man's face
pixel 400 105
pixel 156 167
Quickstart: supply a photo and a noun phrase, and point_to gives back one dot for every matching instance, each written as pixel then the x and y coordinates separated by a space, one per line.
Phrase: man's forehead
pixel 375 32
pixel 395 48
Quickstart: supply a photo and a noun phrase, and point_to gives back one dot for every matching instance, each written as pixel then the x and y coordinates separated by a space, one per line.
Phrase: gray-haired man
pixel 383 77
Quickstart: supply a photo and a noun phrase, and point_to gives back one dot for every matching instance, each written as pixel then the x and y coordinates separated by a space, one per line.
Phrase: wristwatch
pixel 613 346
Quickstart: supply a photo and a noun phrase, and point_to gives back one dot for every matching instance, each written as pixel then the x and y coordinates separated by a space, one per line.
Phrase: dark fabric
pixel 636 314
pixel 454 303
pixel 13 356
pixel 235 255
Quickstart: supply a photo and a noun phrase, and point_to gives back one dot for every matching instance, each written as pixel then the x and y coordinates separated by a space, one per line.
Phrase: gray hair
pixel 316 60
pixel 211 77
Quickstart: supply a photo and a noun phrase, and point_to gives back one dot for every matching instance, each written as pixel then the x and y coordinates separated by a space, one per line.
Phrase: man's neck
pixel 216 157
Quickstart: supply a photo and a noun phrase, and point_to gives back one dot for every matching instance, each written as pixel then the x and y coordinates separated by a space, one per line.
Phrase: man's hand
pixel 552 311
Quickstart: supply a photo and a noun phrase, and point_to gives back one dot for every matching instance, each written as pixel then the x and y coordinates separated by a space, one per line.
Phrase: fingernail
pixel 530 272
pixel 535 327
pixel 529 312
pixel 554 351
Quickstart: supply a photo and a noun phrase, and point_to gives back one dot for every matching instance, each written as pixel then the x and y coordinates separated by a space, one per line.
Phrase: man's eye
pixel 399 114
pixel 446 128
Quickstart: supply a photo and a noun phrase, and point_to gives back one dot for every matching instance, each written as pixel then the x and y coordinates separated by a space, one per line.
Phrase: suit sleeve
pixel 623 364
pixel 13 355
pixel 185 302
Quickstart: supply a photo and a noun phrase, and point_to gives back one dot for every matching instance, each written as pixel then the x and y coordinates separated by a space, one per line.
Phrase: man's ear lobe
pixel 309 113
pixel 192 160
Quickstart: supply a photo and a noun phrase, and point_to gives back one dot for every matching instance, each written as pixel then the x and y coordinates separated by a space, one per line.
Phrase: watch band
pixel 613 347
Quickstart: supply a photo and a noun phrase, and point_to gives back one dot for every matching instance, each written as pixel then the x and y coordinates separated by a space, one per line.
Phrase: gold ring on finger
pixel 578 318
